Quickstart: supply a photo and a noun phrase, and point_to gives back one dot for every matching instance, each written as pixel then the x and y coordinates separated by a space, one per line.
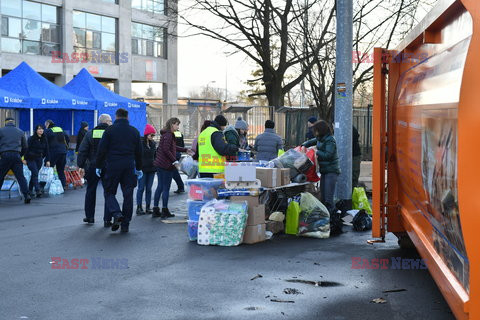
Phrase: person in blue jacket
pixel 327 159
pixel 36 155
pixel 57 148
pixel 120 153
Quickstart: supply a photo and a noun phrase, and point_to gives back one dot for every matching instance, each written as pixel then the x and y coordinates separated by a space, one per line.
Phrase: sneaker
pixel 166 213
pixel 156 213
pixel 124 229
pixel 88 220
pixel 148 210
pixel 179 191
pixel 140 211
pixel 107 224
pixel 27 199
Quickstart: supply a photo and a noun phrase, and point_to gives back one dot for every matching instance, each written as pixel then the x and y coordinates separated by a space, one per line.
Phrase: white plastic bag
pixel 189 166
pixel 55 188
pixel 46 175
pixel 27 173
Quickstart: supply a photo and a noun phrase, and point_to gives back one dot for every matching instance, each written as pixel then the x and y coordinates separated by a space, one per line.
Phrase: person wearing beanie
pixel 81 134
pixel 146 182
pixel 86 160
pixel 268 143
pixel 310 123
pixel 213 148
pixel 237 134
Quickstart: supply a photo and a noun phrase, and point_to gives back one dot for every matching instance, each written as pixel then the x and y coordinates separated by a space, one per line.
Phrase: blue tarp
pixel 43 94
pixel 11 100
pixel 85 85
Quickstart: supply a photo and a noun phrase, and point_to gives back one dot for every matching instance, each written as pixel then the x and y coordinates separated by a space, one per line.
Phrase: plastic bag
pixel 362 221
pixel 189 167
pixel 311 173
pixel 314 218
pixel 222 223
pixel 27 173
pixel 293 159
pixel 360 200
pixel 55 187
pixel 46 175
pixel 293 215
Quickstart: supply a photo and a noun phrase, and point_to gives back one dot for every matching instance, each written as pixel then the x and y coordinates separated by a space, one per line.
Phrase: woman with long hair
pixel 327 160
pixel 165 162
pixel 37 152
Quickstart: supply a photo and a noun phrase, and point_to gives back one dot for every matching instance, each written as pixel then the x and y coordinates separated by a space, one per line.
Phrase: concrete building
pixel 119 41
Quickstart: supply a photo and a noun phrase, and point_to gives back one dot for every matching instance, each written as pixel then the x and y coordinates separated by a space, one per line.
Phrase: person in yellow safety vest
pixel 86 160
pixel 212 148
pixel 57 147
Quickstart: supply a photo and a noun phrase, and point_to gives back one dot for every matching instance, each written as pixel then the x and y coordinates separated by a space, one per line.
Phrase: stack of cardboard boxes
pixel 273 177
pixel 255 231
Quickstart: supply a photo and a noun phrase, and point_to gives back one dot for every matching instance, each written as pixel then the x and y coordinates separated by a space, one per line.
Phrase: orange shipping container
pixel 426 117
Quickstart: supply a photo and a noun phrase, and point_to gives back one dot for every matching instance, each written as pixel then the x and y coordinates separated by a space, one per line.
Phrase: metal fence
pixel 290 123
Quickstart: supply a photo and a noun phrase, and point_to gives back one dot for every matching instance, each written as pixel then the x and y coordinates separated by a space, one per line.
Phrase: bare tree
pixel 263 30
pixel 207 93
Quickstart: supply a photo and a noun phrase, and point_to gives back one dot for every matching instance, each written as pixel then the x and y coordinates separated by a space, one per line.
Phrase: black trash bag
pixel 362 221
pixel 336 223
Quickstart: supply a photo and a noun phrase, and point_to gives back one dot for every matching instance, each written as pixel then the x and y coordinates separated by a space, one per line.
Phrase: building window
pixel 149 40
pixel 29 27
pixel 95 36
pixel 154 6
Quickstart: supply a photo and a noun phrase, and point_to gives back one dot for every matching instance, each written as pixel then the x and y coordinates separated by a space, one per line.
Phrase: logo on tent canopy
pixel 130 105
pixel 49 101
pixel 14 100
pixel 74 102
pixel 109 104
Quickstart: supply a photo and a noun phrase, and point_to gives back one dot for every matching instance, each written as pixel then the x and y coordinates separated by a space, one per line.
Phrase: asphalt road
pixel 161 275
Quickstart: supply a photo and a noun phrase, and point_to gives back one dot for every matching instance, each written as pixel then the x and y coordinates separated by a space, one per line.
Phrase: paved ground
pixel 169 277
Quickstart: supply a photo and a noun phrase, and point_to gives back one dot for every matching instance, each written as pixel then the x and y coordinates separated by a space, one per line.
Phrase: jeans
pixel 123 174
pixel 178 180
pixel 59 160
pixel 145 184
pixel 12 160
pixel 328 183
pixel 34 165
pixel 163 187
pixel 91 195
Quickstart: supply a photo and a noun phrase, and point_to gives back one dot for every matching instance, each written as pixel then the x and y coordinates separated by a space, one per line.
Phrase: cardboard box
pixel 285 176
pixel 256 215
pixel 275 226
pixel 269 177
pixel 240 171
pixel 254 234
pixel 253 201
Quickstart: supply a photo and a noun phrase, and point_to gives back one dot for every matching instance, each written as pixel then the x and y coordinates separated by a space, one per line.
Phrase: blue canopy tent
pixel 85 85
pixel 47 101
pixel 10 100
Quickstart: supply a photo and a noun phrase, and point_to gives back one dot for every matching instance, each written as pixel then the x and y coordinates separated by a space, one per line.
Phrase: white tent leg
pixel 73 123
pixel 31 121
pixel 95 118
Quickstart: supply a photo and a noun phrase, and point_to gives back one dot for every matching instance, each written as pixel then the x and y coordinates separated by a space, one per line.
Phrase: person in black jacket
pixel 81 134
pixel 86 160
pixel 311 121
pixel 356 157
pixel 13 146
pixel 57 148
pixel 37 151
pixel 146 182
pixel 120 153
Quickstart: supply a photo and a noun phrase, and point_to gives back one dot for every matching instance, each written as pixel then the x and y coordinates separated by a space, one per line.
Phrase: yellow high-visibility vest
pixel 56 129
pixel 209 160
pixel 177 134
pixel 97 133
